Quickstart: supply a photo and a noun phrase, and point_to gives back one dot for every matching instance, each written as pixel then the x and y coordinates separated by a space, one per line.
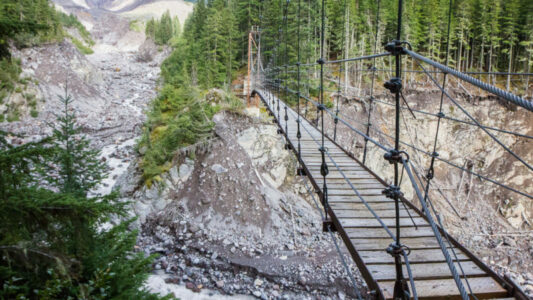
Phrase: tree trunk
pixel 510 67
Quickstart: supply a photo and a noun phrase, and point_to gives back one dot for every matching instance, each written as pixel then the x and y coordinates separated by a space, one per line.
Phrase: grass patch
pixel 136 26
pixel 34 113
pixel 13 116
pixel 81 47
pixel 72 22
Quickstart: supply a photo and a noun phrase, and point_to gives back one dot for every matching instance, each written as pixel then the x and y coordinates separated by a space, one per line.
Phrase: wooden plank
pixel 390 213
pixel 382 244
pixel 425 271
pixel 362 192
pixel 357 185
pixel 343 169
pixel 390 222
pixel 354 198
pixel 376 233
pixel 353 180
pixel 362 206
pixel 482 287
pixel 416 256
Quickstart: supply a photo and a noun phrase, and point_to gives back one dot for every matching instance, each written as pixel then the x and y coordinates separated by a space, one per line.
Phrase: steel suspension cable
pixel 339 252
pixel 371 99
pixel 336 120
pixel 402 251
pixel 401 290
pixel 436 231
pixel 324 167
pixel 298 120
pixel 286 77
pixel 476 82
pixel 446 236
pixel 471 117
pixel 386 149
pixel 459 120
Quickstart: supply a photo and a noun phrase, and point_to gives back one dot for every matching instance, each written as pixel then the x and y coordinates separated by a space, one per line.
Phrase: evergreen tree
pixel 163 29
pixel 74 167
pixel 150 29
pixel 52 243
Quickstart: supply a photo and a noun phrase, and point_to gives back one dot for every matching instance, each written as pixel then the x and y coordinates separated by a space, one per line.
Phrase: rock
pixel 220 284
pixel 143 150
pixel 276 287
pixel 215 96
pixel 341 295
pixel 257 294
pixel 258 282
pixel 174 175
pixel 302 280
pixel 218 169
pixel 193 228
pixel 191 286
pixel 205 200
pixel 174 280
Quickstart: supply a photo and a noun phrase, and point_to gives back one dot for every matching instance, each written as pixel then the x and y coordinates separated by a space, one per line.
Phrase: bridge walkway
pixel 363 235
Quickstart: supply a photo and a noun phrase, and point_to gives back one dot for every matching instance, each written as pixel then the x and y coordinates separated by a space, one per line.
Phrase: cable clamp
pixel 395 156
pixel 321 61
pixel 395 249
pixel 435 154
pixel 441 114
pixel 298 63
pixel 395 47
pixel 394 85
pixel 392 192
pixel 321 107
pixel 336 120
pixel 430 173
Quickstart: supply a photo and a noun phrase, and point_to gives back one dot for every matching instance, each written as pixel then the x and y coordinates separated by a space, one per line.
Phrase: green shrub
pixel 13 116
pixel 83 49
pixel 72 22
pixel 34 113
pixel 9 74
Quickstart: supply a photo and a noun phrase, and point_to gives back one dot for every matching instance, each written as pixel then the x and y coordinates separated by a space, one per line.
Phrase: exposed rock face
pixel 237 206
pixel 263 146
pixel 489 218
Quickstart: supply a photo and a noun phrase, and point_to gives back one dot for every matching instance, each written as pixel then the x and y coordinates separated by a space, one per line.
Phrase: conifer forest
pixel 142 155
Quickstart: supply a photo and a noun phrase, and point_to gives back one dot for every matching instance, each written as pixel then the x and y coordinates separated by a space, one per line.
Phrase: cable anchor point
pixel 395 47
pixel 394 85
pixel 392 192
pixel 401 287
pixel 395 156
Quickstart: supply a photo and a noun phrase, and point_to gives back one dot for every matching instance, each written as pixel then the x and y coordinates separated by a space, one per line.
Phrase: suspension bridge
pixel 402 250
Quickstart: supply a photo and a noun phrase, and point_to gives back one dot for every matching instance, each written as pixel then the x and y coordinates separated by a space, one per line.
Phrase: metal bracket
pixel 392 192
pixel 395 47
pixel 394 85
pixel 328 223
pixel 301 172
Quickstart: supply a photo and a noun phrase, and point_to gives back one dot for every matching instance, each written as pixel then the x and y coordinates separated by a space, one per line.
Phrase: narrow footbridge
pixel 366 220
pixel 402 251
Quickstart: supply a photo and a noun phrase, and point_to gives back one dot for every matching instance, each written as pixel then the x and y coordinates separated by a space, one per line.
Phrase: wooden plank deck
pixel 364 236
